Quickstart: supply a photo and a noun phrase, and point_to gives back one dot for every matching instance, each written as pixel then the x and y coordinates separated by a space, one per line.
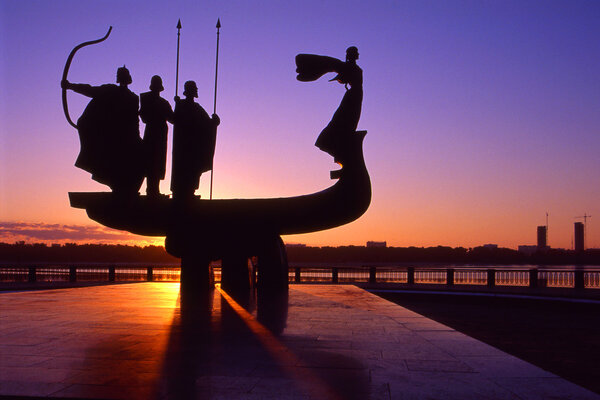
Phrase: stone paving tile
pixel 417 351
pixel 337 358
pixel 35 374
pixel 445 335
pixel 386 369
pixel 407 338
pixel 439 385
pixel 545 389
pixel 426 325
pixel 320 344
pixel 10 361
pixel 438 366
pixel 22 340
pixel 20 350
pixel 276 387
pixel 134 341
pixel 466 348
pixel 374 345
pixel 504 366
pixel 29 388
pixel 106 392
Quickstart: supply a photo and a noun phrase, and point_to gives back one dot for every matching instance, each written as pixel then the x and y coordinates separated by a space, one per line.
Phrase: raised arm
pixel 81 88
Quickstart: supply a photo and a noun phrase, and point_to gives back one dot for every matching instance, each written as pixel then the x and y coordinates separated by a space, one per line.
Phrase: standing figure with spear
pixel 215 102
pixel 194 136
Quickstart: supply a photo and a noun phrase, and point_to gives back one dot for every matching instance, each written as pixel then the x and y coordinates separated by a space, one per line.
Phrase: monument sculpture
pixel 193 143
pixel 155 112
pixel 233 230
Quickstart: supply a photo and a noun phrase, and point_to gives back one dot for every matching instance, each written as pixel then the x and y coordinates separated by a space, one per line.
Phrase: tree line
pixel 21 252
pixel 441 254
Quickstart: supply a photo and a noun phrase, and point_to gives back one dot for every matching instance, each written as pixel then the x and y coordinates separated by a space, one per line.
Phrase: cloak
pixel 334 138
pixel 155 112
pixel 111 147
pixel 194 138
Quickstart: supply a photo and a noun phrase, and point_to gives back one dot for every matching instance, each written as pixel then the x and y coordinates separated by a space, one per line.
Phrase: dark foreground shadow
pixel 569 347
pixel 224 345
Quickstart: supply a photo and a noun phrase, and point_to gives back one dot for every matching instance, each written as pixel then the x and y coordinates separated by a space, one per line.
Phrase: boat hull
pixel 214 226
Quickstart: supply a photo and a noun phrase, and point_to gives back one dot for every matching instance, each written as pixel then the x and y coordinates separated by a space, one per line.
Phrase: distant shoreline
pixel 24 253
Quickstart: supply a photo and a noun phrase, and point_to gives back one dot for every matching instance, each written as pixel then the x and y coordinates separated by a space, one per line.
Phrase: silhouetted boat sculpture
pixel 233 230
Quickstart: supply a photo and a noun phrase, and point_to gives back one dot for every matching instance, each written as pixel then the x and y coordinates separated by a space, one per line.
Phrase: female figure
pixel 335 137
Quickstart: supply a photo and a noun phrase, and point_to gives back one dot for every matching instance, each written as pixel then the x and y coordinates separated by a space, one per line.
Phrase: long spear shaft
pixel 177 68
pixel 216 66
pixel 215 101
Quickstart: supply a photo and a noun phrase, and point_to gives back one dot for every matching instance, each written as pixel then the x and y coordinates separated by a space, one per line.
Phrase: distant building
pixel 490 246
pixel 295 245
pixel 579 236
pixel 376 244
pixel 528 249
pixel 542 236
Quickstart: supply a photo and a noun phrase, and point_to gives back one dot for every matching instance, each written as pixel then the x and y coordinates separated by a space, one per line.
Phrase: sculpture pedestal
pixel 273 266
pixel 196 273
pixel 236 274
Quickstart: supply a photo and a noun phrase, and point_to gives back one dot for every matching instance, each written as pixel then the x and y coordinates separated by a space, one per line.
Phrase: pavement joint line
pixel 480 294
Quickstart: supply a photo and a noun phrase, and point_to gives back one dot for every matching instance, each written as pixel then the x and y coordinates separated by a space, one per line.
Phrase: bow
pixel 66 71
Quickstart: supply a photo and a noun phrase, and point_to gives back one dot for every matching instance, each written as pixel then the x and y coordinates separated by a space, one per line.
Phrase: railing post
pixel 579 279
pixel 150 274
pixel 410 275
pixel 491 278
pixel 72 274
pixel 31 275
pixel 372 275
pixel 334 275
pixel 111 273
pixel 297 277
pixel 533 278
pixel 450 276
pixel 253 272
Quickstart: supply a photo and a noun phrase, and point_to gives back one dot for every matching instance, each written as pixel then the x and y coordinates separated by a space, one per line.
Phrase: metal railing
pixel 410 276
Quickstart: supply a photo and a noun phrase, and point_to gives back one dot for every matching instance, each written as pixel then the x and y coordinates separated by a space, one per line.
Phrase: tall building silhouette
pixel 542 236
pixel 579 236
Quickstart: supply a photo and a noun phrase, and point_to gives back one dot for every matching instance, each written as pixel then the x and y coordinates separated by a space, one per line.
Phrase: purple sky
pixel 482 115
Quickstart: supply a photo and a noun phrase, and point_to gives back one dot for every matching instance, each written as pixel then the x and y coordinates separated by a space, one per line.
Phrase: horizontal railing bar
pixel 588 278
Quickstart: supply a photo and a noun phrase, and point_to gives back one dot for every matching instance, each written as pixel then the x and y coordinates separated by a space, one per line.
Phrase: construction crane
pixel 547 244
pixel 585 217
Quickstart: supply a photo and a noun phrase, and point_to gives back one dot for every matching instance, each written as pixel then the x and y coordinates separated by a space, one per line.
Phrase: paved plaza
pixel 146 341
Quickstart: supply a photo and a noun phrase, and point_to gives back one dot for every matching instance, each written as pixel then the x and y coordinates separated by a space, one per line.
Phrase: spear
pixel 216 66
pixel 177 68
pixel 215 101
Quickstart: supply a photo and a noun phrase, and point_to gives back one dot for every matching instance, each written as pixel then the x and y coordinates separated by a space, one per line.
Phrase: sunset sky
pixel 481 115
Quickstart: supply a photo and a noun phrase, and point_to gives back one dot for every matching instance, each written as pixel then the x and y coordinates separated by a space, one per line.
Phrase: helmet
pixel 190 89
pixel 156 83
pixel 123 75
pixel 351 53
